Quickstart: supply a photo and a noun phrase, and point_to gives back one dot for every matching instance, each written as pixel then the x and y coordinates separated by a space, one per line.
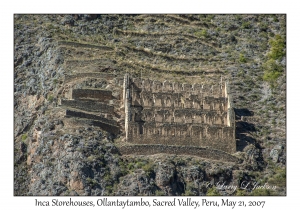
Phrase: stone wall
pixel 126 98
pixel 177 115
pixel 178 100
pixel 71 113
pixel 107 127
pixel 143 149
pixel 89 106
pixel 93 106
pixel 96 94
pixel 171 113
pixel 175 87
pixel 195 134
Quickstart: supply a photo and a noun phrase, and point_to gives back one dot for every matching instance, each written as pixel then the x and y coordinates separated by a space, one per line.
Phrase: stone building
pixel 155 117
pixel 170 113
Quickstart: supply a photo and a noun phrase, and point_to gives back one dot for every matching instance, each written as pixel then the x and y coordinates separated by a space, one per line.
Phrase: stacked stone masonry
pixel 147 149
pixel 101 95
pixel 162 117
pixel 91 106
pixel 171 113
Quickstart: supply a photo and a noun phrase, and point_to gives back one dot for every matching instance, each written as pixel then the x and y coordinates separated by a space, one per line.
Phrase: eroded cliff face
pixel 57 155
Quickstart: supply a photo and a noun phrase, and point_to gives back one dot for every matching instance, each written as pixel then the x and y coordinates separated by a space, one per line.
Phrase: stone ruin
pixel 158 117
pixel 93 106
pixel 170 113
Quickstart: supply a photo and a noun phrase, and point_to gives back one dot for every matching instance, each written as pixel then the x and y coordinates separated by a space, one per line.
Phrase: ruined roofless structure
pixel 170 113
pixel 154 117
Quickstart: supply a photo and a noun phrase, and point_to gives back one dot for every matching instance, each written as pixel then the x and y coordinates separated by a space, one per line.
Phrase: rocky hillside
pixel 53 156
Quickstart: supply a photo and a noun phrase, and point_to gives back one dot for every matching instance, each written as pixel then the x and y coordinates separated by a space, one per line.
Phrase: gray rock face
pixel 276 152
pixel 137 183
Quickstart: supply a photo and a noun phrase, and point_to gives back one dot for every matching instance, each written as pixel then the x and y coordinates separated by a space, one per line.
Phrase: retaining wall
pixel 89 106
pixel 178 150
pixel 218 137
pixel 109 128
pixel 71 113
pixel 101 95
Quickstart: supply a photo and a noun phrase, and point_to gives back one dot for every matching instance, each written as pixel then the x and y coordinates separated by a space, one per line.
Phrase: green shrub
pixel 91 181
pixel 272 71
pixel 275 18
pixel 277 47
pixel 149 169
pixel 238 17
pixel 91 158
pixel 240 193
pixel 188 193
pixel 50 98
pixel 202 33
pixel 242 58
pixel 130 166
pixel 159 193
pixel 260 192
pixel 246 25
pixel 123 168
pixel 180 162
pixel 139 164
pixel 210 17
pixel 24 137
pixel 279 178
pixel 108 178
pixel 109 189
pixel 213 192
pixel 264 46
pixel 190 189
pixel 263 26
